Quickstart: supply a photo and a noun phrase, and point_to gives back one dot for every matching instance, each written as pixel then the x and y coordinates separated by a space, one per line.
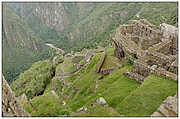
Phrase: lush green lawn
pixel 66 67
pixel 111 62
pixel 98 111
pixel 110 51
pixel 148 97
pixel 48 105
pixel 115 87
pixel 86 84
pixel 55 84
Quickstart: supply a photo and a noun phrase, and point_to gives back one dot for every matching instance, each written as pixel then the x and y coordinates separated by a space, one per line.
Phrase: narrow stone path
pixel 52 46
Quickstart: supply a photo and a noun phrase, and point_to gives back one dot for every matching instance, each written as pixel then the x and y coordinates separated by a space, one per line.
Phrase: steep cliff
pixel 20 45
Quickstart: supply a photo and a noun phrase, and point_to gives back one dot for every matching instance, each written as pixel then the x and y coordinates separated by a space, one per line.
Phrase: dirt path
pixel 52 46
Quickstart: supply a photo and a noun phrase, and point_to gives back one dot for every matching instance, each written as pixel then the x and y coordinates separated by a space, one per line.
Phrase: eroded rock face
pixel 11 106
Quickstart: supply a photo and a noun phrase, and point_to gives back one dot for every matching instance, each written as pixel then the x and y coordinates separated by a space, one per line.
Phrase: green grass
pixel 47 105
pixel 86 83
pixel 26 105
pixel 148 97
pixel 111 61
pixel 55 84
pixel 66 67
pixel 97 111
pixel 115 87
pixel 110 51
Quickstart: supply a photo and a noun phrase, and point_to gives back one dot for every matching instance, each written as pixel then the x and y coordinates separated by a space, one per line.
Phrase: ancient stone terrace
pixel 156 50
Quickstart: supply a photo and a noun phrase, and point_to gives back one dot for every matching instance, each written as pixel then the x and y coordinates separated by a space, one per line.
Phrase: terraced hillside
pixel 77 94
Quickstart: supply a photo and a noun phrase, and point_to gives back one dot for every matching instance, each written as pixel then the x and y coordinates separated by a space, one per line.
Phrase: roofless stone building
pixel 156 50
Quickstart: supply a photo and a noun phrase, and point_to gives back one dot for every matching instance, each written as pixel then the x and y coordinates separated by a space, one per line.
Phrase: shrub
pixel 131 59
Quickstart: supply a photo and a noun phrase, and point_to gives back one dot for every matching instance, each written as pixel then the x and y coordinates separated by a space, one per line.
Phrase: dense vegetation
pixel 34 81
pixel 21 47
pixel 91 24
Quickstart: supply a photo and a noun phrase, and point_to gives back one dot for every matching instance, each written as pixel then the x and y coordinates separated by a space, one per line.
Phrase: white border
pixel 83 1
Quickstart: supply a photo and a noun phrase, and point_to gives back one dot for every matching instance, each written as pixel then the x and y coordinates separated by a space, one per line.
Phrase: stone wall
pixel 106 71
pixel 141 68
pixel 162 72
pixel 174 45
pixel 168 30
pixel 126 29
pixel 10 104
pixel 155 49
pixel 169 108
pixel 143 30
pixel 135 76
pixel 101 62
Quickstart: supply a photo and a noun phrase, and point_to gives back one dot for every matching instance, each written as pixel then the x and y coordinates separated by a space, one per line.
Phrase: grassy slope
pixel 115 87
pixel 148 97
pixel 85 83
pixel 98 111
pixel 55 84
pixel 47 105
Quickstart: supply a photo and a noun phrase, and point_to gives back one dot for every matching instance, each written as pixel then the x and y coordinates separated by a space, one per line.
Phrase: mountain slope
pixel 20 45
pixel 85 25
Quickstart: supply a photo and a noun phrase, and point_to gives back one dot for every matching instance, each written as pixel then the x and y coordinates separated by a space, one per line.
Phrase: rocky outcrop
pixel 10 104
pixel 101 101
pixel 169 108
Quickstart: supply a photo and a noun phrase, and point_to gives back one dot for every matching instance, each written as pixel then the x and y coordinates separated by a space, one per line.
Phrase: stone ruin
pixel 156 50
pixel 169 108
pixel 11 107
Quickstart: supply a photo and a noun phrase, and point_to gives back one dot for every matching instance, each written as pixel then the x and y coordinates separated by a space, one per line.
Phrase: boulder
pixel 154 67
pixel 63 103
pixel 101 101
pixel 82 109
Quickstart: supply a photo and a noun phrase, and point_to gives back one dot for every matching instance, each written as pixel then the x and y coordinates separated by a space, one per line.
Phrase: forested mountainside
pixel 20 45
pixel 74 26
